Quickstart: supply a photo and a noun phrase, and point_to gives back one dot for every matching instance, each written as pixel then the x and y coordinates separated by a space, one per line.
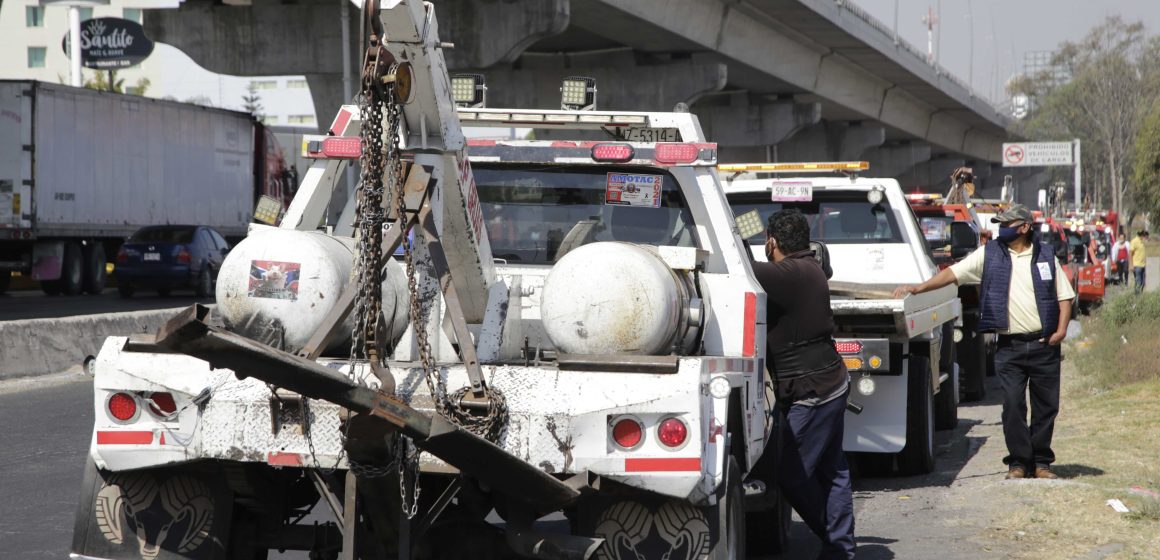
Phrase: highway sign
pixel 1036 154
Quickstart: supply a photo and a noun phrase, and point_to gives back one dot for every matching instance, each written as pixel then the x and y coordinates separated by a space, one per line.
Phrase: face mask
pixel 1008 234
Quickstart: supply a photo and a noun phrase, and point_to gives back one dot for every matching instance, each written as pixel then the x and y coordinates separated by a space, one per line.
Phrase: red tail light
pixel 676 153
pixel 627 433
pixel 749 329
pixel 672 432
pixel 183 256
pixel 848 346
pixel 122 256
pixel 162 404
pixel 612 152
pixel 122 406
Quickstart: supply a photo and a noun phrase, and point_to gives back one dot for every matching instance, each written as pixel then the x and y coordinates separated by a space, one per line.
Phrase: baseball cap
pixel 1015 212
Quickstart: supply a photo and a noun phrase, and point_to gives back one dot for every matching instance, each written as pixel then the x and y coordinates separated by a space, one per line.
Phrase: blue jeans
pixel 814 476
pixel 1138 273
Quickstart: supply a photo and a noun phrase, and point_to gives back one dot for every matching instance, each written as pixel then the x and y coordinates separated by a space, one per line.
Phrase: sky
pixel 1003 30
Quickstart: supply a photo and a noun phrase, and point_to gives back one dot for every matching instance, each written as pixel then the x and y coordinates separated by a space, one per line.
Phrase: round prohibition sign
pixel 1014 154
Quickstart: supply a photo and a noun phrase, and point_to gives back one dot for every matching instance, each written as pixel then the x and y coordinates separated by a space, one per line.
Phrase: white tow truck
pixel 904 378
pixel 581 333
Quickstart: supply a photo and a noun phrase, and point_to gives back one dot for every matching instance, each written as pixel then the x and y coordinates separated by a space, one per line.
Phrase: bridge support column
pixel 745 124
pixel 896 159
pixel 830 141
pixel 932 176
pixel 276 38
pixel 621 83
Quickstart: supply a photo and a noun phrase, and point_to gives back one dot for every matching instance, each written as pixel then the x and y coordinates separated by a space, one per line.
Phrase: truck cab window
pixel 532 213
pixel 834 218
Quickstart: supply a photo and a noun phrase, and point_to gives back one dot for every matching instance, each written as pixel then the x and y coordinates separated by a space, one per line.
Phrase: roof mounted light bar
pixel 809 167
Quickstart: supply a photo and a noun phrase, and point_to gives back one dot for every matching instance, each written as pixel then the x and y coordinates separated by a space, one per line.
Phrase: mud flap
pixel 648 526
pixel 153 514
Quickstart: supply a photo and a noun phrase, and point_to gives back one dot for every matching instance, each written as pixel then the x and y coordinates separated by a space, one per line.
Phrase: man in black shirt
pixel 811 384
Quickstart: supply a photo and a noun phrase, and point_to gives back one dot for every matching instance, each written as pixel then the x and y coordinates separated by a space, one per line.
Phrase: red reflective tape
pixel 668 464
pixel 749 338
pixel 480 142
pixel 340 122
pixel 280 459
pixel 124 438
pixel 161 439
pixel 565 144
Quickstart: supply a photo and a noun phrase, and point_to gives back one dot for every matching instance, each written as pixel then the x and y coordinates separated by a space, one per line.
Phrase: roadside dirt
pixel 945 515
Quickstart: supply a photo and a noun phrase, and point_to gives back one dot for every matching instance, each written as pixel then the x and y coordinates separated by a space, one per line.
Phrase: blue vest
pixel 996 287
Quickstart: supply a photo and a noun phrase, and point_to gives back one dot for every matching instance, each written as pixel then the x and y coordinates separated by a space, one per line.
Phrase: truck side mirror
pixel 964 239
pixel 822 255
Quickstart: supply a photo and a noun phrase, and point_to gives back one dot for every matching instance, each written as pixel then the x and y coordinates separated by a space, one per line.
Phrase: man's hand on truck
pixel 944 278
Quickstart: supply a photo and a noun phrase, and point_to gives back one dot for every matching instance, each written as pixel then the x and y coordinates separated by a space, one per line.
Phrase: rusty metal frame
pixel 188 333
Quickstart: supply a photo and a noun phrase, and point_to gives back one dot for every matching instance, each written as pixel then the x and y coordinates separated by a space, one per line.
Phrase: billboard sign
pixel 1037 154
pixel 111 43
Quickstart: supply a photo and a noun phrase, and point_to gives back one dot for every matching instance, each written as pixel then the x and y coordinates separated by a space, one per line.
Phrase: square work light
pixel 468 90
pixel 578 93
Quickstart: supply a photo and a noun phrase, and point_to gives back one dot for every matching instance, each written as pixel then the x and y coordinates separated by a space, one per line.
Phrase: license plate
pixel 784 191
pixel 652 135
pixel 152 256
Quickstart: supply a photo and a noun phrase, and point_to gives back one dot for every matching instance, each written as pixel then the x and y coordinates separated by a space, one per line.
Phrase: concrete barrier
pixel 42 346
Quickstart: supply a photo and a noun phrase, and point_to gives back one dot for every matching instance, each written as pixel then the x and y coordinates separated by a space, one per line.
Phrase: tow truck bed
pixel 872 308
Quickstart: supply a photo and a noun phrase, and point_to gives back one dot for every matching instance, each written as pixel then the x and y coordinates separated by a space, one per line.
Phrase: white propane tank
pixel 614 298
pixel 277 285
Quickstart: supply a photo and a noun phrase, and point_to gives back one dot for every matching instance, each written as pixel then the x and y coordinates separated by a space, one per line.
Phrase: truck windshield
pixel 532 213
pixel 836 218
pixel 936 230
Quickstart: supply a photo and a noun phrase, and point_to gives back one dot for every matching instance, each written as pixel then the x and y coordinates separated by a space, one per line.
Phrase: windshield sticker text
pixel 632 189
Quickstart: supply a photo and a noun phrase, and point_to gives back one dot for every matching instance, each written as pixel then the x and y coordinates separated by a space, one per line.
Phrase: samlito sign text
pixel 111 43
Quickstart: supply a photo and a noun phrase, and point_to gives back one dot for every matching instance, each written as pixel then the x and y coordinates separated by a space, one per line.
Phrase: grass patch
pixel 1106 442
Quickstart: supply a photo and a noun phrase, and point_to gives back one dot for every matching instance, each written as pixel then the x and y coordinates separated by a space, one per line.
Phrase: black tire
pixel 917 456
pixel 113 504
pixel 72 269
pixel 94 268
pixel 972 352
pixel 204 286
pixel 125 288
pixel 164 292
pixel 729 515
pixel 5 281
pixel 51 287
pixel 768 518
pixel 946 402
pixel 872 465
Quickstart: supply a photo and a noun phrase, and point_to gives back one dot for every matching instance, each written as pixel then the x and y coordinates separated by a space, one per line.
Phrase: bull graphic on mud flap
pixel 126 507
pixel 631 530
pixel 274 280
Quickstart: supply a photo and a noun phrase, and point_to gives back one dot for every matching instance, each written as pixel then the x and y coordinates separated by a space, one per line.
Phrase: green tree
pixel 1111 72
pixel 252 102
pixel 107 80
pixel 1146 171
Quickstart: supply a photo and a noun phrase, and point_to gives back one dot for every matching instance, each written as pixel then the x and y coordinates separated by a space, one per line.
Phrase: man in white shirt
pixel 1027 301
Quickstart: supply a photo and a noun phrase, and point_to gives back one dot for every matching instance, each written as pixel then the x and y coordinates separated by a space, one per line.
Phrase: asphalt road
pixel 28 304
pixel 44 436
pixel 45 430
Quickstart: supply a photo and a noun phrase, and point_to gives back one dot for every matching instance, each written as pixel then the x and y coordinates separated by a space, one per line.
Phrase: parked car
pixel 165 258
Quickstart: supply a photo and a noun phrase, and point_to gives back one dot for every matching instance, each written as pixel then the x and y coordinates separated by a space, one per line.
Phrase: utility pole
pixel 971 65
pixel 896 23
pixel 930 19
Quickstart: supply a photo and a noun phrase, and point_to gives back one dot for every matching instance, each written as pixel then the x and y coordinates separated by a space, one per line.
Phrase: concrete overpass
pixel 772 80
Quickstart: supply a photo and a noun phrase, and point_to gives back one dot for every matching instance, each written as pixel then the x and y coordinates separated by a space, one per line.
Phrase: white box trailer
pixel 82 169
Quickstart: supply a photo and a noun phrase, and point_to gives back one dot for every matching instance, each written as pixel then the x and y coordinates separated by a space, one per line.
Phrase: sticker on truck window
pixel 274 280
pixel 633 189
